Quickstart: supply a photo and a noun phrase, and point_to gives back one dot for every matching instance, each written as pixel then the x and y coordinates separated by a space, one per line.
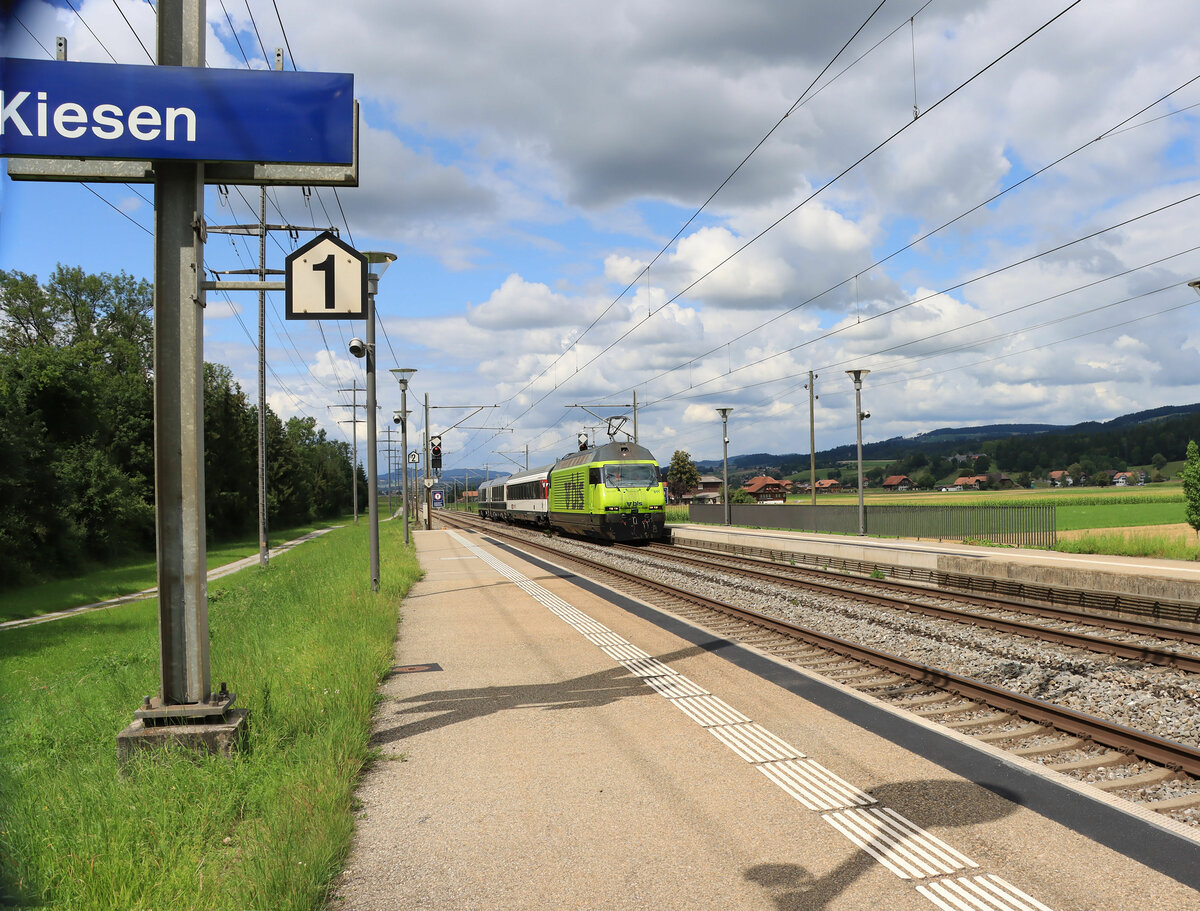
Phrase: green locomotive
pixel 613 492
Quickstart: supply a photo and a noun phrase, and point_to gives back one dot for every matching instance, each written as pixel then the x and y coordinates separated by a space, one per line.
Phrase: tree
pixel 983 464
pixel 1159 461
pixel 1191 485
pixel 682 476
pixel 1075 470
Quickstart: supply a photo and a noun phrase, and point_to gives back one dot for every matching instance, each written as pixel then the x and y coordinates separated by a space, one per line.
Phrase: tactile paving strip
pixel 898 844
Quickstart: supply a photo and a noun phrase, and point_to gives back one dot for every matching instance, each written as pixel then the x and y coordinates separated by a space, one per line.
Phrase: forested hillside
pixel 1126 441
pixel 76 431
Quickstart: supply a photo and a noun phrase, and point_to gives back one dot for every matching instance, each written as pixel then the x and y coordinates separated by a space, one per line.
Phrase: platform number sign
pixel 326 279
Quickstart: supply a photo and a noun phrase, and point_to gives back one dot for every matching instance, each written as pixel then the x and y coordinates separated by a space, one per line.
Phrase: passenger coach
pixel 525 496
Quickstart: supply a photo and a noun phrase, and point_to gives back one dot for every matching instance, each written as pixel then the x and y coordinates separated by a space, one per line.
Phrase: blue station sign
pixel 59 109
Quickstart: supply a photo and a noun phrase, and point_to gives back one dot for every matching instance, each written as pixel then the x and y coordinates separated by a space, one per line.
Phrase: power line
pixel 89 28
pixel 979 73
pixel 132 29
pixel 962 284
pixel 711 196
pixel 1112 131
pixel 233 31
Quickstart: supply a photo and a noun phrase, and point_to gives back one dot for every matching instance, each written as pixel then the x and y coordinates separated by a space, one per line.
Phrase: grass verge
pixel 1133 543
pixel 126 577
pixel 303 644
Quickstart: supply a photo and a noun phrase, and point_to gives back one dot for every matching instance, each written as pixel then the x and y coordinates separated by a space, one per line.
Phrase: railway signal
pixel 435 453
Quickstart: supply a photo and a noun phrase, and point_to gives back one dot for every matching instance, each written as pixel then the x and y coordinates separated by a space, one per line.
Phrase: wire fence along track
pixel 1024 525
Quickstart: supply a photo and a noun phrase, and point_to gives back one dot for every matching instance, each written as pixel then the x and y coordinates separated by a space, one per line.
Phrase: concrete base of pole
pixel 214 728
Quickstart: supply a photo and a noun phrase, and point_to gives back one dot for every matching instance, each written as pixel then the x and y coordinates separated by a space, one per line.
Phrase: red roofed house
pixel 766 490
pixel 974 482
pixel 898 482
pixel 829 486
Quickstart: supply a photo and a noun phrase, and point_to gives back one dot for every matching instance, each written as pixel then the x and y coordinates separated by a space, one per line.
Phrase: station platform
pixel 549 744
pixel 1168 580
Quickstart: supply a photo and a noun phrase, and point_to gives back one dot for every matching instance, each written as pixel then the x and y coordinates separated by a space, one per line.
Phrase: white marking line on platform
pixel 814 785
pixel 624 652
pixel 709 711
pixel 901 846
pixel 648 667
pixel 676 687
pixel 754 743
pixel 979 893
pixel 605 638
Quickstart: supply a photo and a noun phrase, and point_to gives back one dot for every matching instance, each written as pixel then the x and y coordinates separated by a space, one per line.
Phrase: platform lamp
pixel 403 375
pixel 724 413
pixel 859 415
pixel 377 264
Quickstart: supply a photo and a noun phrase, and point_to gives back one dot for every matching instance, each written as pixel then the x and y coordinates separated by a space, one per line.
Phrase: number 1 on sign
pixel 326 266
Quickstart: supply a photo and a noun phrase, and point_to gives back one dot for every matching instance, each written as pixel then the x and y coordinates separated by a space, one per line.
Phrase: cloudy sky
pixel 700 201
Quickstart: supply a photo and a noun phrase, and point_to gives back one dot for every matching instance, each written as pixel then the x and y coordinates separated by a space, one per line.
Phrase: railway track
pixel 1137 765
pixel 988 612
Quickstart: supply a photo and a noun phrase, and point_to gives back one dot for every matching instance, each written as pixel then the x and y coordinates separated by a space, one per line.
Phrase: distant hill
pixel 947 441
pixel 1173 425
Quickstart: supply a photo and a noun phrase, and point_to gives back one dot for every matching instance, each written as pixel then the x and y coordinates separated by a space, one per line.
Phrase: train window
pixel 593 475
pixel 630 475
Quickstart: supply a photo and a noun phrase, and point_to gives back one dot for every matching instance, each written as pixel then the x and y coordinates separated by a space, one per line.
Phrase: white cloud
pixel 528 159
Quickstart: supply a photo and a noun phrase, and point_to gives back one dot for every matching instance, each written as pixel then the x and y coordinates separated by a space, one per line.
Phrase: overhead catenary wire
pixel 815 193
pixel 136 36
pixel 991 273
pixel 711 196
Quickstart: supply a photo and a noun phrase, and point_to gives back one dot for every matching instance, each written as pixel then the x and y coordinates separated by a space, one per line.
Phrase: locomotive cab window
pixel 630 475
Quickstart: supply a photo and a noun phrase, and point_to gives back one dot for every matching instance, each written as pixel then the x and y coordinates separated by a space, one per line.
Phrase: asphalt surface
pixel 546 745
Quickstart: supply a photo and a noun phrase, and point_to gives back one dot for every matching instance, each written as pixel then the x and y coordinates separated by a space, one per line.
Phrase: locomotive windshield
pixel 630 475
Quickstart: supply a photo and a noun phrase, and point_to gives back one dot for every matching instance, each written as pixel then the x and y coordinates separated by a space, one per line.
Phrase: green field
pixel 1077 512
pixel 303 644
pixel 135 574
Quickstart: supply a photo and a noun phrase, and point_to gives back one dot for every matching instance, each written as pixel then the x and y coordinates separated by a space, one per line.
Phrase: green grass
pixel 303 644
pixel 134 574
pixel 1162 547
pixel 1072 517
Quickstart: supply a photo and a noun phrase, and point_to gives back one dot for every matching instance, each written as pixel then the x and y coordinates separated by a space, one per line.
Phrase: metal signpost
pixel 179 126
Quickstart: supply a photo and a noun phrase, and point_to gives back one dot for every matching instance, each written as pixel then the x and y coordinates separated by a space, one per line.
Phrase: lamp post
pixel 377 264
pixel 403 375
pixel 724 413
pixel 859 414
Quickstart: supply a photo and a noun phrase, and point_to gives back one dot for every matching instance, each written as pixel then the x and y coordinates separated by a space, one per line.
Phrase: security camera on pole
pixel 328 279
pixel 377 265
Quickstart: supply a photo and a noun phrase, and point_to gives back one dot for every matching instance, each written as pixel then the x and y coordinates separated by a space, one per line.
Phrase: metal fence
pixel 1025 526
